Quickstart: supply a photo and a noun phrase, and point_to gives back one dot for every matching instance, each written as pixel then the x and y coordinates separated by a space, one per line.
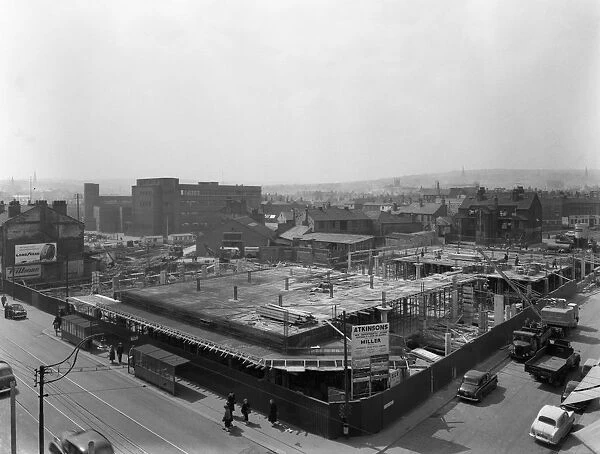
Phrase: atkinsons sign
pixel 370 340
pixel 370 358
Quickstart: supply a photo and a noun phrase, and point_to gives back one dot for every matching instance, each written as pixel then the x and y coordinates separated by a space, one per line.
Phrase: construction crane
pixel 512 285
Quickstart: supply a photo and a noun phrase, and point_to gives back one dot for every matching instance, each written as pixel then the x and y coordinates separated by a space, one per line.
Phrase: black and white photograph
pixel 282 226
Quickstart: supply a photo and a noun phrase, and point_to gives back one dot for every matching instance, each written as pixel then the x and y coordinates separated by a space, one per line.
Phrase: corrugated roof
pixel 337 214
pixel 295 232
pixel 343 238
pixel 417 208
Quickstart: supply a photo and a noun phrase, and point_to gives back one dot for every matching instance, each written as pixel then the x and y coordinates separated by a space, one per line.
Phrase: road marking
pixel 107 404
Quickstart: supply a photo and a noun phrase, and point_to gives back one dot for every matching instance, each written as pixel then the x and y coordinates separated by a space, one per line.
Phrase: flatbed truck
pixel 553 362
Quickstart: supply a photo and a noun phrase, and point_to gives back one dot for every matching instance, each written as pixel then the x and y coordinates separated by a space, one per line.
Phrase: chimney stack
pixel 2 207
pixel 14 208
pixel 60 206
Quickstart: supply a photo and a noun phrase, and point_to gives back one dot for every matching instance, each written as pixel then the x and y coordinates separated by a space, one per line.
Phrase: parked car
pixel 552 424
pixel 6 376
pixel 15 311
pixel 579 406
pixel 78 442
pixel 476 384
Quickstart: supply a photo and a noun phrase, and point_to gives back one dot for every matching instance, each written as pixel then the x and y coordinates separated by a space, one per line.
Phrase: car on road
pixel 579 406
pixel 552 424
pixel 15 311
pixel 6 376
pixel 78 442
pixel 476 384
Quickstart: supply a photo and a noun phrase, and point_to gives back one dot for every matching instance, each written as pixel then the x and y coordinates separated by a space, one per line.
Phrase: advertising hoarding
pixel 22 271
pixel 35 253
pixel 370 358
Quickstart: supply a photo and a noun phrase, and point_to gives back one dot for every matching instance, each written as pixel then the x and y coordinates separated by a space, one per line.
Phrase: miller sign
pixel 370 340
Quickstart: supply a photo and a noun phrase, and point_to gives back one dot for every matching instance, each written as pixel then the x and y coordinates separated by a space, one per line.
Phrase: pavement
pixel 285 438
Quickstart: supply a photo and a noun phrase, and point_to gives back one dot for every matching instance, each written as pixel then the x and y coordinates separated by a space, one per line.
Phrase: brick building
pixel 106 213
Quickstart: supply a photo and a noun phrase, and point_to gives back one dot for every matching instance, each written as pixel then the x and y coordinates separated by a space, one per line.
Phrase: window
pixel 343 226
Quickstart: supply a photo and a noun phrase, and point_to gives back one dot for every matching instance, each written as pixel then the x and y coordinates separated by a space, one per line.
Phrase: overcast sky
pixel 296 91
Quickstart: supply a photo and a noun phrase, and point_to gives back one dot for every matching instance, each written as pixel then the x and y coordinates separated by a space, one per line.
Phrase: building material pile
pixel 434 337
pixel 285 314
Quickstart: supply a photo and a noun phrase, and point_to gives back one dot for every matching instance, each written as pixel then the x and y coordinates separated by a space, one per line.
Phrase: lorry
pixel 560 314
pixel 553 362
pixel 530 338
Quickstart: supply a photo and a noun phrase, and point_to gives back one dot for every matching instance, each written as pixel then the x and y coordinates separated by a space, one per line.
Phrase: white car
pixel 552 424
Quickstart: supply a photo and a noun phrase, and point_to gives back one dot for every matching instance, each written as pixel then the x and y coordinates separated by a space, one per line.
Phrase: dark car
pixel 579 406
pixel 15 311
pixel 77 442
pixel 6 376
pixel 476 384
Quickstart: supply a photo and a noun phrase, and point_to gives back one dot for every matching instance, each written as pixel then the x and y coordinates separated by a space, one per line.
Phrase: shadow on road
pixel 587 329
pixel 187 393
pixel 493 398
pixel 589 340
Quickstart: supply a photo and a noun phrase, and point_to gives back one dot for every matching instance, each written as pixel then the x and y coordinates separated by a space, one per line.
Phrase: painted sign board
pixel 35 253
pixel 21 271
pixel 370 340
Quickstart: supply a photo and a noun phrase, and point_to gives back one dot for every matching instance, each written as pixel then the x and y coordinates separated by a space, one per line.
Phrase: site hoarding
pixel 370 358
pixel 35 253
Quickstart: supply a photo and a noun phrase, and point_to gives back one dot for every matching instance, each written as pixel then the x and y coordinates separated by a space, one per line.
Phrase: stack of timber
pixel 434 337
pixel 285 314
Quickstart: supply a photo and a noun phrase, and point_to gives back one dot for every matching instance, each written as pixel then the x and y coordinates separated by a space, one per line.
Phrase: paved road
pixel 500 424
pixel 137 419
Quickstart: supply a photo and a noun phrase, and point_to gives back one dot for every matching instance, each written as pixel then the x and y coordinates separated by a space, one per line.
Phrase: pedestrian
pixel 231 402
pixel 111 354
pixel 56 324
pixel 119 351
pixel 517 260
pixel 227 417
pixel 245 410
pixel 3 300
pixel 272 412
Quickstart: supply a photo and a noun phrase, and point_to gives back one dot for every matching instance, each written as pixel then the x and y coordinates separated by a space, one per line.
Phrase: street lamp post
pixel 41 375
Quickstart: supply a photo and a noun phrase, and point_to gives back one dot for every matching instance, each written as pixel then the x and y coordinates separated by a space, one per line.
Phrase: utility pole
pixel 41 416
pixel 77 195
pixel 345 418
pixel 13 419
pixel 41 373
pixel 67 277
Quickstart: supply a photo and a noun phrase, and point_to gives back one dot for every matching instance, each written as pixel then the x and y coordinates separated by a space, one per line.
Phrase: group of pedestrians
pixel 245 410
pixel 118 352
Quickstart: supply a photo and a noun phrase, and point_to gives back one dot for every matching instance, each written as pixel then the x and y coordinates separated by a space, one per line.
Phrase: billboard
pixel 35 253
pixel 370 340
pixel 21 271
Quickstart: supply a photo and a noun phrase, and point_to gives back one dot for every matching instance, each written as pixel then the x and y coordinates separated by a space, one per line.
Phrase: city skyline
pixel 297 92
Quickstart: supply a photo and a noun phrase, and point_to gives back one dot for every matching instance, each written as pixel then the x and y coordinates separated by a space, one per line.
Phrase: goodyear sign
pixel 370 340
pixel 35 253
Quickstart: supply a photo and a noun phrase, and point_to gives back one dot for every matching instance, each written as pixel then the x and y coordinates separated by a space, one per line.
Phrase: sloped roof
pixel 295 232
pixel 344 238
pixel 504 200
pixel 257 227
pixel 337 214
pixel 418 208
pixel 383 217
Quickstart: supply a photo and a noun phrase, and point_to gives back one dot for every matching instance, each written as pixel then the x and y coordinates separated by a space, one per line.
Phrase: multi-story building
pixel 514 216
pixel 106 213
pixel 164 205
pixel 566 209
pixel 335 220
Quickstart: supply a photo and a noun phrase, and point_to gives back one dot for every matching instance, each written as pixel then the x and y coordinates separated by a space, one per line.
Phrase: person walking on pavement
pixel 227 417
pixel 245 410
pixel 231 403
pixel 272 412
pixel 119 351
pixel 111 354
pixel 56 324
pixel 3 300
